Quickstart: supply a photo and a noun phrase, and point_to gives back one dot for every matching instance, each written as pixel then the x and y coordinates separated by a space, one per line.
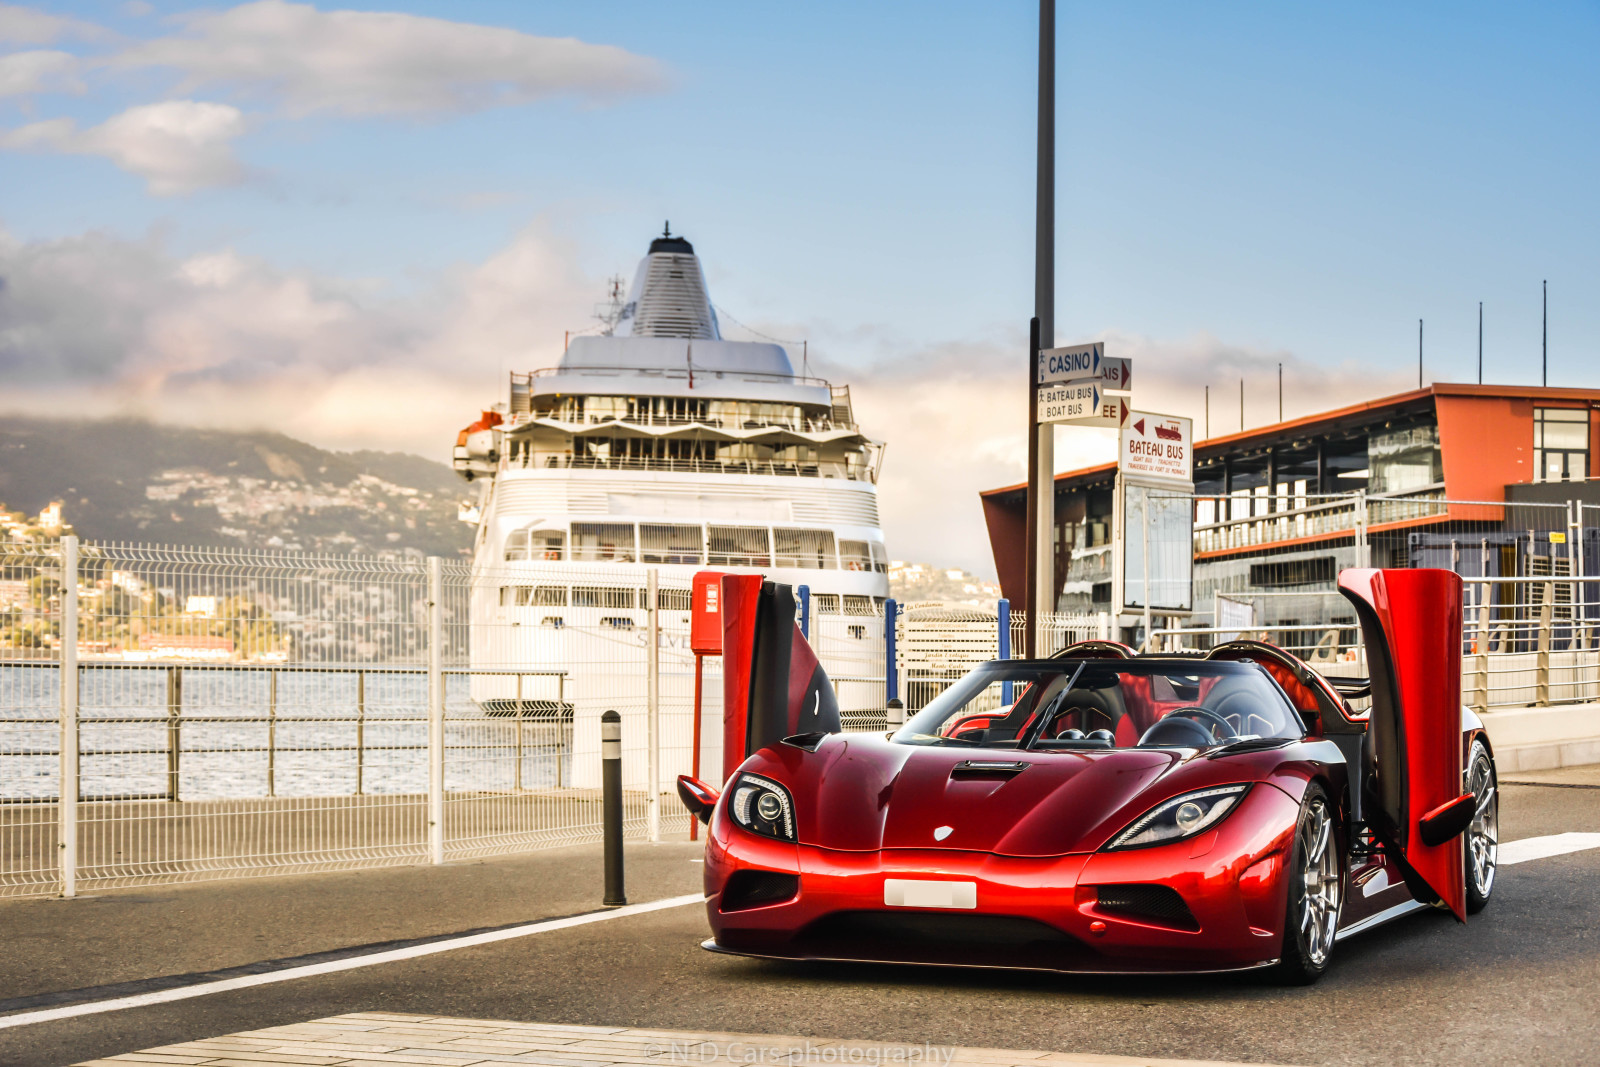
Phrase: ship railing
pixel 649 419
pixel 683 373
pixel 541 461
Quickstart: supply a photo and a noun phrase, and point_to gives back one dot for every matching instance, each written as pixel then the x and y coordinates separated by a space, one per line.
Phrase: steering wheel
pixel 1204 716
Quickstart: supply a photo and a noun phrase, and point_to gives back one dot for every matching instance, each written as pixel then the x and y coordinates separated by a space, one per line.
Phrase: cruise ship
pixel 659 445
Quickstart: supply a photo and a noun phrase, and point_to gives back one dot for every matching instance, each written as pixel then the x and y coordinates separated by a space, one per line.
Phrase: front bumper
pixel 1042 913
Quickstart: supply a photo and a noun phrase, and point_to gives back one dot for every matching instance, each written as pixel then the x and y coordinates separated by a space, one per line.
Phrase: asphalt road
pixel 1517 985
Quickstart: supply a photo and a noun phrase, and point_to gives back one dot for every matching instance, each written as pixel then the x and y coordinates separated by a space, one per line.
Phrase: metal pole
pixel 1544 343
pixel 1144 497
pixel 272 733
pixel 67 792
pixel 1241 405
pixel 517 784
pixel 805 620
pixel 1208 412
pixel 611 806
pixel 1480 342
pixel 891 678
pixel 361 731
pixel 174 737
pixel 1419 353
pixel 1042 472
pixel 1280 392
pixel 653 769
pixel 1030 549
pixel 435 710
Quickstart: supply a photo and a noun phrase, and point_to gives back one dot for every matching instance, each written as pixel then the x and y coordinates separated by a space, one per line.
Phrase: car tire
pixel 1481 851
pixel 1316 891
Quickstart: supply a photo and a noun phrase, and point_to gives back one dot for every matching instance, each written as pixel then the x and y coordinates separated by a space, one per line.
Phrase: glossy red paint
pixel 1411 622
pixel 840 911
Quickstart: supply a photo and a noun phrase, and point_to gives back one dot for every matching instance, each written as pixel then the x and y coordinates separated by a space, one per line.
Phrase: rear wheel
pixel 1316 891
pixel 1483 834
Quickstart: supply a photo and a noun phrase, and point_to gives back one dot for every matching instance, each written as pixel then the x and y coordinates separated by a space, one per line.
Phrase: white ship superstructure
pixel 661 445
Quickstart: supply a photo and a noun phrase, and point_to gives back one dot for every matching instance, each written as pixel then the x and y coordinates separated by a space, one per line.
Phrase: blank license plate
pixel 922 893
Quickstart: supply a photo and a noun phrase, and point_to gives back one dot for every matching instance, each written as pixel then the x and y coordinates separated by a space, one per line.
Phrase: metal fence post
pixel 361 731
pixel 1481 673
pixel 891 677
pixel 1363 549
pixel 1542 659
pixel 805 616
pixel 653 708
pixel 272 733
pixel 67 792
pixel 174 730
pixel 435 709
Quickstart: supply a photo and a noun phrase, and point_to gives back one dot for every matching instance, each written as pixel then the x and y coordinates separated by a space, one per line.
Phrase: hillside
pixel 127 480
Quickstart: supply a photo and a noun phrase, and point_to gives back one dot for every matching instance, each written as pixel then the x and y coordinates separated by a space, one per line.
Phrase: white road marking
pixel 1537 848
pixel 165 996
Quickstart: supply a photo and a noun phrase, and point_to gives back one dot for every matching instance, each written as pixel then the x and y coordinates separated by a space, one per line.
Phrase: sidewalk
pixel 124 935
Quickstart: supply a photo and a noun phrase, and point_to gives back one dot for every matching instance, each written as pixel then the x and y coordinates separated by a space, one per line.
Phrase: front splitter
pixel 710 945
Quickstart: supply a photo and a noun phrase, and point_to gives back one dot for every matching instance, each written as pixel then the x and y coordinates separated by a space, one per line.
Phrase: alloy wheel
pixel 1483 835
pixel 1319 914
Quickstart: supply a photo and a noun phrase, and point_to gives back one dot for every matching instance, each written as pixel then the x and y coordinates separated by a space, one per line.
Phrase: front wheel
pixel 1316 892
pixel 1483 834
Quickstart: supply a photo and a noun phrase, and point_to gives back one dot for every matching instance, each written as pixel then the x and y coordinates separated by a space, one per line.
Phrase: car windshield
pixel 1087 704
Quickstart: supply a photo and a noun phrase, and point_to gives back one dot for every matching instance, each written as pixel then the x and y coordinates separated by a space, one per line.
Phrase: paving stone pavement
pixel 368 1039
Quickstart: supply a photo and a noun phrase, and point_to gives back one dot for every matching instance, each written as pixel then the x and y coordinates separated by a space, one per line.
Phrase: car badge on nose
pixel 943 832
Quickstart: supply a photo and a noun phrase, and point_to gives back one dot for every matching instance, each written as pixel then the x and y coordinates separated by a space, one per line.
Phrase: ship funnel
pixel 668 297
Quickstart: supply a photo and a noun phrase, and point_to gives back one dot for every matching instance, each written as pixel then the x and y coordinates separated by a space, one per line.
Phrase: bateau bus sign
pixel 1157 448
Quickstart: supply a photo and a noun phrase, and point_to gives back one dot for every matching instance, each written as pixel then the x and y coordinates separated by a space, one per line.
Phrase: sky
pixel 348 223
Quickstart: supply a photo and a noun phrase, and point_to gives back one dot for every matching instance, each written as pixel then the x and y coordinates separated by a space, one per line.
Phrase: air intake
pixel 752 889
pixel 1147 903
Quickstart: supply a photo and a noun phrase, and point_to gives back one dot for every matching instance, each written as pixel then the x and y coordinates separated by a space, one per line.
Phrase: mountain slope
pixel 128 480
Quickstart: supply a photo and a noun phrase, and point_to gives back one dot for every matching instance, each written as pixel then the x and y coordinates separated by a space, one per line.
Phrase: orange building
pixel 1487 480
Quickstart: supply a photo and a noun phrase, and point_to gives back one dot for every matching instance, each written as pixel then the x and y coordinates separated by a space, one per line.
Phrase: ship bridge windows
pixel 536 542
pixel 663 543
pixel 740 546
pixel 807 549
pixel 603 542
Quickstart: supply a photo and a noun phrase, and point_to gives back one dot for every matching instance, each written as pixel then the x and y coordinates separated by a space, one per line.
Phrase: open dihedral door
pixel 772 684
pixel 1411 625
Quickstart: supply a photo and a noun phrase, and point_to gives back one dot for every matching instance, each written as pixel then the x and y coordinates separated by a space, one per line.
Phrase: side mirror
pixel 698 797
pixel 1448 819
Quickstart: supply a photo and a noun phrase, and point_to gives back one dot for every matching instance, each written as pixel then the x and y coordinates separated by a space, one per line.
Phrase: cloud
pixel 42 71
pixel 99 325
pixel 177 146
pixel 385 63
pixel 25 25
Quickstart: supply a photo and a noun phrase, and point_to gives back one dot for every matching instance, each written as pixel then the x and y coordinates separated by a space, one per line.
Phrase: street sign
pixel 1158 448
pixel 1081 404
pixel 1084 363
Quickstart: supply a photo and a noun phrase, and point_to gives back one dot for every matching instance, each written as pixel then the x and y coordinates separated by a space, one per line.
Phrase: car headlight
pixel 1180 817
pixel 763 807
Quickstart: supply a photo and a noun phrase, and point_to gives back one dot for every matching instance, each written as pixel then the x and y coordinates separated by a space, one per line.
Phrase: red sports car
pixel 1106 812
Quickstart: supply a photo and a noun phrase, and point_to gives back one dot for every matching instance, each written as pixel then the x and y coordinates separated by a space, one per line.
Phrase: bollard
pixel 896 715
pixel 611 805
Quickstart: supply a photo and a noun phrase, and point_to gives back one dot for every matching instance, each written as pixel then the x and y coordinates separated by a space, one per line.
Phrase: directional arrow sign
pixel 1081 404
pixel 1084 363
